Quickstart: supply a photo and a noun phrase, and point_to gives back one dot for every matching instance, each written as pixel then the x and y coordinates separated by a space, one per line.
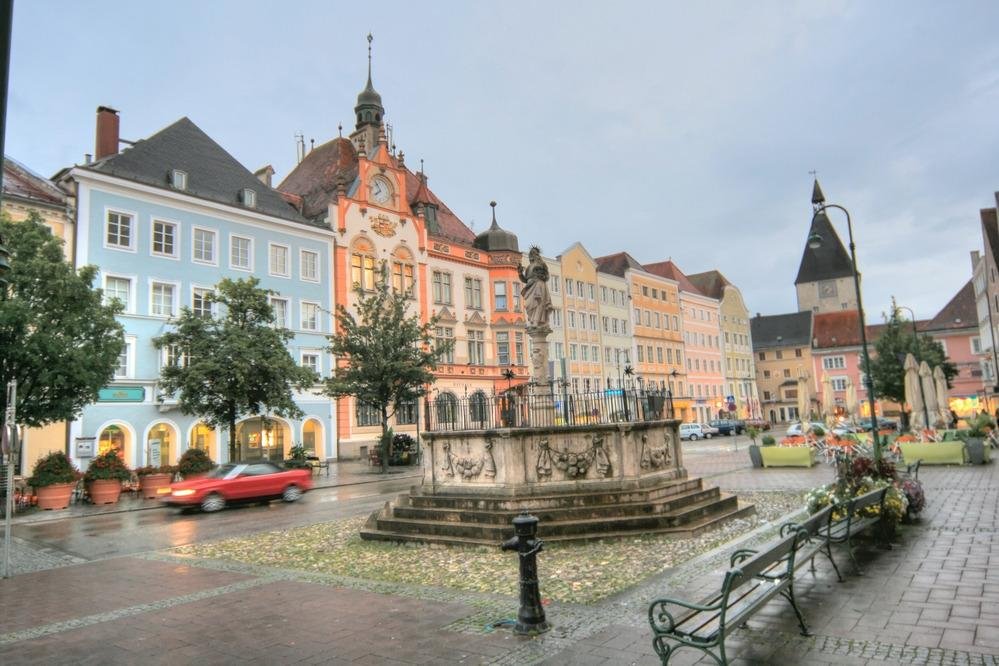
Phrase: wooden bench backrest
pixel 867 500
pixel 816 521
pixel 746 570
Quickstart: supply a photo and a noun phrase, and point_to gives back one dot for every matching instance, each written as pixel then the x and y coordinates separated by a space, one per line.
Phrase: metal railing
pixel 539 408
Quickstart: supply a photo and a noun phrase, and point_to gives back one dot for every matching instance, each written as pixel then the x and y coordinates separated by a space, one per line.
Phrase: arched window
pixel 162 437
pixel 312 436
pixel 403 271
pixel 362 264
pixel 477 409
pixel 447 408
pixel 262 439
pixel 112 437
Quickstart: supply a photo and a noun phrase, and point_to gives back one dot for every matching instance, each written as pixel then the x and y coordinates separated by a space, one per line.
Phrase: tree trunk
pixel 232 440
pixel 383 445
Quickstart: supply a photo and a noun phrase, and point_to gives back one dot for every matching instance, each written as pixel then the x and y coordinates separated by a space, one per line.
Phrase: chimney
pixel 107 132
pixel 265 174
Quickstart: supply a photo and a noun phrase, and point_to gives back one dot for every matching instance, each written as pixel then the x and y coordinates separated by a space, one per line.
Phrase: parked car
pixel 240 482
pixel 694 431
pixel 729 426
pixel 883 424
pixel 795 430
pixel 709 430
pixel 759 424
pixel 846 429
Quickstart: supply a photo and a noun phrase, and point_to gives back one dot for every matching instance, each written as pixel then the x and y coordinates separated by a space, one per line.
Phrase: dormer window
pixel 249 198
pixel 178 179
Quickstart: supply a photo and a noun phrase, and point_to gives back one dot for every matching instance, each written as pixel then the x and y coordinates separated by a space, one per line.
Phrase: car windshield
pixel 223 471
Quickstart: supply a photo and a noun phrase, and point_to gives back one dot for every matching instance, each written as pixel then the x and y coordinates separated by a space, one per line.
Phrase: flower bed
pixel 858 475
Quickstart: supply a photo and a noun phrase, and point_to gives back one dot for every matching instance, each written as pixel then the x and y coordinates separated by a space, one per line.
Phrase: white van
pixel 692 431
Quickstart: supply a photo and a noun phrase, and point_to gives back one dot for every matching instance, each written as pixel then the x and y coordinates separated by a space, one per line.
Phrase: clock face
pixel 827 289
pixel 380 190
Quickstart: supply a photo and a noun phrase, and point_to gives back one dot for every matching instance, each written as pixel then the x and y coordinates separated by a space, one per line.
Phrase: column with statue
pixel 537 308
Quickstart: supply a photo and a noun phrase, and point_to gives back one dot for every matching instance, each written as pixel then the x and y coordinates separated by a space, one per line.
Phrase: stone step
pixel 694 529
pixel 427 511
pixel 497 532
pixel 539 502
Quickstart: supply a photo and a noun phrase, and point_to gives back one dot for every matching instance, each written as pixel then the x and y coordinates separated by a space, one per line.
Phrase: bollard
pixel 531 617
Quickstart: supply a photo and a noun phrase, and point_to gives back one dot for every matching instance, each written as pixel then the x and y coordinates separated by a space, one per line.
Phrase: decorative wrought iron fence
pixel 540 409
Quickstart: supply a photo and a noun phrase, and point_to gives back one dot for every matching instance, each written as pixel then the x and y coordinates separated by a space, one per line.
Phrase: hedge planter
pixel 55 496
pixel 787 456
pixel 154 485
pixel 933 453
pixel 978 452
pixel 104 491
pixel 755 456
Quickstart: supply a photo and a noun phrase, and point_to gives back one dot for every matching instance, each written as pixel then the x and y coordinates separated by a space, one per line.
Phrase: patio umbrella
pixel 912 395
pixel 929 391
pixel 940 380
pixel 804 403
pixel 851 400
pixel 828 399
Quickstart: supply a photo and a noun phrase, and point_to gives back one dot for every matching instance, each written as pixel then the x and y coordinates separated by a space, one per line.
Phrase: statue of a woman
pixel 537 301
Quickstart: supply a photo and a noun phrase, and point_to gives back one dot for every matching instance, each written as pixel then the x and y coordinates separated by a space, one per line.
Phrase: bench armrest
pixel 788 529
pixel 740 555
pixel 663 622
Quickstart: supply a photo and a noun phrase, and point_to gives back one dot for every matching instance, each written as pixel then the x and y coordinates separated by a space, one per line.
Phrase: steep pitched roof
pixel 960 311
pixel 827 262
pixel 784 330
pixel 20 182
pixel 668 269
pixel 212 173
pixel 990 231
pixel 618 264
pixel 710 283
pixel 836 329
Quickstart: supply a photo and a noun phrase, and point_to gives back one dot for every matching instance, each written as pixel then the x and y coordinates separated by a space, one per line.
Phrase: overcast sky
pixel 683 130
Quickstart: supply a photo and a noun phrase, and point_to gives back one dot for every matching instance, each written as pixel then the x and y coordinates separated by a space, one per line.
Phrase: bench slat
pixel 737 613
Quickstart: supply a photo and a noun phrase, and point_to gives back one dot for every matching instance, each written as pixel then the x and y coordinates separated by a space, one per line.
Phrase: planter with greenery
pixel 54 479
pixel 975 439
pixel 155 481
pixel 403 450
pixel 298 458
pixel 788 456
pixel 104 477
pixel 754 450
pixel 194 463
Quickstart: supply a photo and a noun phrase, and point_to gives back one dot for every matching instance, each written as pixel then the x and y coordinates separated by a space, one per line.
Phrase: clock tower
pixel 369 113
pixel 825 276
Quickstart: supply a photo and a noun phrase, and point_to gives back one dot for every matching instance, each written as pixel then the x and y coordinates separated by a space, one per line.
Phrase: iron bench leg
pixel 829 556
pixel 789 595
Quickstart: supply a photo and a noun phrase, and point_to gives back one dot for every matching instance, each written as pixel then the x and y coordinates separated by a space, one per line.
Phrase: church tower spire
pixel 369 111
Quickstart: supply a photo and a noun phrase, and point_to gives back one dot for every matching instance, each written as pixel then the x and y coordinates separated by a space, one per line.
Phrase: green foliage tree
pixel 234 363
pixel 386 357
pixel 58 338
pixel 887 361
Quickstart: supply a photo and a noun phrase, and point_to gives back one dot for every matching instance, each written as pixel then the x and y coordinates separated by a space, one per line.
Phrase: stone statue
pixel 537 301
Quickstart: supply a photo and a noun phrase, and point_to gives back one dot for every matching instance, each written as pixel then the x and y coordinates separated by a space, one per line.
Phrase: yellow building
pixel 783 347
pixel 25 192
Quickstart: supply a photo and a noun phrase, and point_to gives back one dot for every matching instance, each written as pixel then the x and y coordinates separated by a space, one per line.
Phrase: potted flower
pixel 53 479
pixel 974 439
pixel 299 458
pixel 754 450
pixel 104 477
pixel 194 463
pixel 793 452
pixel 155 481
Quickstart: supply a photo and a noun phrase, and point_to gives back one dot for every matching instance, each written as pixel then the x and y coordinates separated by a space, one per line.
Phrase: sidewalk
pixel 342 473
pixel 933 599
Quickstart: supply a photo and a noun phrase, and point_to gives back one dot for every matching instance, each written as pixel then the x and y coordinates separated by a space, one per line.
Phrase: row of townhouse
pixel 822 340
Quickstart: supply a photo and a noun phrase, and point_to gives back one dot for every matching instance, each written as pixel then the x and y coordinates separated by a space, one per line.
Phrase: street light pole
pixel 814 242
pixel 922 394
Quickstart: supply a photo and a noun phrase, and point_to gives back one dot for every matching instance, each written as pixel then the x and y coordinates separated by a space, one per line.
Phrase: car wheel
pixel 693 437
pixel 213 502
pixel 292 494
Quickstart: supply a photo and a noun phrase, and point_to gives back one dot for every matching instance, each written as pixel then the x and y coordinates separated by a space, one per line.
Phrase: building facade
pixel 783 347
pixel 825 275
pixel 165 220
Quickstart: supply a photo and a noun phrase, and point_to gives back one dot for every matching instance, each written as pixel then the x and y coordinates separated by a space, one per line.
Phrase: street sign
pixel 154 453
pixel 85 447
pixel 730 399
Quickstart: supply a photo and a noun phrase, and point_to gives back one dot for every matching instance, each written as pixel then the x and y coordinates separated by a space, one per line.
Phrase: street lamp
pixel 915 336
pixel 815 242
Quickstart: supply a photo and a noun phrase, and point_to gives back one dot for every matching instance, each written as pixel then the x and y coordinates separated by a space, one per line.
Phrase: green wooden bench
pixel 754 579
pixel 812 540
pixel 854 521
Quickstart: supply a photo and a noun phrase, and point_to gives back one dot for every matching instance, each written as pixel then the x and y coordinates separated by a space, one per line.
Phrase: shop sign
pixel 85 447
pixel 121 394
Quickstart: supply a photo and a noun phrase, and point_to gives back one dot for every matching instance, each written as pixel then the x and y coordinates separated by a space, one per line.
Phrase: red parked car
pixel 240 482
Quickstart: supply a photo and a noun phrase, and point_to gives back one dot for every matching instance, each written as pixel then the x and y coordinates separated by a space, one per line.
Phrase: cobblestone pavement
pixel 932 599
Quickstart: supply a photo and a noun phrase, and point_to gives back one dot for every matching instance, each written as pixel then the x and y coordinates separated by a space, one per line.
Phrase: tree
pixel 386 357
pixel 229 365
pixel 58 338
pixel 895 342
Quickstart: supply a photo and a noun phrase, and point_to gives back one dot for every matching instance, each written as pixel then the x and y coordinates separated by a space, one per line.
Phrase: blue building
pixel 165 220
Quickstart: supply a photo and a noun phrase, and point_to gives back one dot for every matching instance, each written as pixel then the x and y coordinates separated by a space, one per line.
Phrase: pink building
pixel 836 353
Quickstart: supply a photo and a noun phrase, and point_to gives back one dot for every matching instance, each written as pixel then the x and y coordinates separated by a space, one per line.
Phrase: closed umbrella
pixel 804 401
pixel 940 380
pixel 929 391
pixel 851 400
pixel 828 399
pixel 912 395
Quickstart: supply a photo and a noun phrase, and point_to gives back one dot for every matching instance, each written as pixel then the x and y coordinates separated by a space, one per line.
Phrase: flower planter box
pixel 978 450
pixel 55 496
pixel 787 456
pixel 755 456
pixel 934 453
pixel 104 491
pixel 153 485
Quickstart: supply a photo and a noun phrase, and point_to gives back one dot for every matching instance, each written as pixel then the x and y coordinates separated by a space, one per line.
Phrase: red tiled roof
pixel 836 329
pixel 668 269
pixel 451 227
pixel 710 283
pixel 21 182
pixel 960 311
pixel 618 264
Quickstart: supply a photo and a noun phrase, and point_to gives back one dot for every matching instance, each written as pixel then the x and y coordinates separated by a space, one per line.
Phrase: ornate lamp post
pixel 814 242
